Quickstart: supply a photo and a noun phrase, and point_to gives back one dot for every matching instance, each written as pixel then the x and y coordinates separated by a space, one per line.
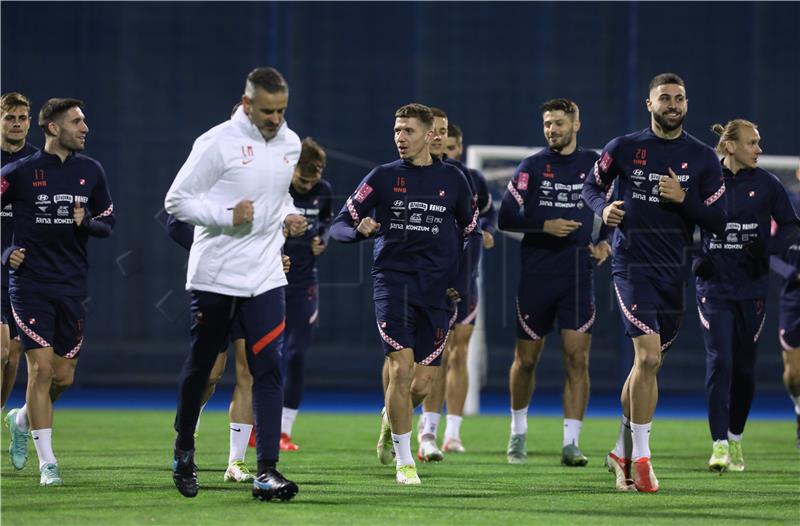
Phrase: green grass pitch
pixel 116 468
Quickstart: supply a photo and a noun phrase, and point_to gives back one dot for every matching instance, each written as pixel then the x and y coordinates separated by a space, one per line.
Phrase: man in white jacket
pixel 234 188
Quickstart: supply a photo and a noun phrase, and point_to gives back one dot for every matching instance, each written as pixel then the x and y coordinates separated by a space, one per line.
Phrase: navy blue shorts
pixel 467 280
pixel 650 307
pixel 237 331
pixel 8 316
pixel 50 320
pixel 789 324
pixel 402 326
pixel 542 300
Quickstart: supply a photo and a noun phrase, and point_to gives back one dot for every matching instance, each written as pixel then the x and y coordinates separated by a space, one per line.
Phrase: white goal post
pixel 498 164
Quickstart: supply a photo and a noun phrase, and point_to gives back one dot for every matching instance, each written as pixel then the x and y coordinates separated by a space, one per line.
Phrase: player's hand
pixel 296 225
pixel 16 258
pixel 669 188
pixel 317 246
pixel 600 251
pixel 243 212
pixel 488 240
pixel 560 227
pixel 78 213
pixel 613 214
pixel 453 294
pixel 287 263
pixel 368 226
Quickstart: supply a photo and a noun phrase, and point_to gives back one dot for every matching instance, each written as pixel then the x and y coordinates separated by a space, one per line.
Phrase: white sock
pixel 402 449
pixel 430 423
pixel 43 440
pixel 723 442
pixel 572 431
pixel 453 429
pixel 240 435
pixel 735 438
pixel 624 446
pixel 641 440
pixel 287 421
pixel 519 421
pixel 197 425
pixel 796 400
pixel 22 418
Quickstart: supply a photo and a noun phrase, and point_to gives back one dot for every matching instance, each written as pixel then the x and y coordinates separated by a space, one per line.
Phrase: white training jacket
pixel 227 164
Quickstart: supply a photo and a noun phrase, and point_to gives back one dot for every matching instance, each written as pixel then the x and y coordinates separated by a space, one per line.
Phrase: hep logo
pixel 31 321
pixel 634 307
pixel 383 325
pixel 441 193
pixel 82 182
pixel 752 193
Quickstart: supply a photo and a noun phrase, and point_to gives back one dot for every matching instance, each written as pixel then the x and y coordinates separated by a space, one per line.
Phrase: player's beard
pixel 562 143
pixel 665 124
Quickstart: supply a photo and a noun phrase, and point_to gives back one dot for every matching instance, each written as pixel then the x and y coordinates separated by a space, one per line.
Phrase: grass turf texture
pixel 116 469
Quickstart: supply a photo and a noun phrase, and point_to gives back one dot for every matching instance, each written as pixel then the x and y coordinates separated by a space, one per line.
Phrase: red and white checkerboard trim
pixel 715 196
pixel 435 354
pixel 586 326
pixel 472 224
pixel 30 333
pixel 525 326
pixel 513 191
pixel 105 213
pixel 665 346
pixel 639 323
pixel 353 211
pixel 453 318
pixel 388 339
pixel 703 321
pixel 75 350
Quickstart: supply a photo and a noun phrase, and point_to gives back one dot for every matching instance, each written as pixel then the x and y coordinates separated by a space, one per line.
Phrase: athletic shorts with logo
pixel 423 329
pixel 543 300
pixel 650 306
pixel 49 320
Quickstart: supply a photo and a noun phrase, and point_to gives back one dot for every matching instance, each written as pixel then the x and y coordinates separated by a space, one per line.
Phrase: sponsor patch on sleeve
pixel 522 181
pixel 363 192
pixel 4 184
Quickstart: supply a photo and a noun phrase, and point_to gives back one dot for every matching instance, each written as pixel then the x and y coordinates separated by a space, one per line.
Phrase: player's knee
pixel 64 381
pixel 40 373
pixel 457 357
pixel 576 364
pixel 648 362
pixel 420 388
pixel 525 359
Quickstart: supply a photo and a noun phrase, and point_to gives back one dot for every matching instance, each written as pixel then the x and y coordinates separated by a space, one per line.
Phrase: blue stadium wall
pixel 156 75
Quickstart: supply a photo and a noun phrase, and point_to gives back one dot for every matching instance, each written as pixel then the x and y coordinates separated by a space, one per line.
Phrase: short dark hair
pixel 311 152
pixel 268 79
pixel 565 105
pixel 13 100
pixel 53 109
pixel 454 131
pixel 438 112
pixel 415 111
pixel 665 78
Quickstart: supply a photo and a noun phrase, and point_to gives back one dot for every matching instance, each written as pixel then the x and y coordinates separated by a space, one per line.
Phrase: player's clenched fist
pixel 287 263
pixel 669 188
pixel 560 227
pixel 16 258
pixel 368 226
pixel 613 213
pixel 296 225
pixel 243 212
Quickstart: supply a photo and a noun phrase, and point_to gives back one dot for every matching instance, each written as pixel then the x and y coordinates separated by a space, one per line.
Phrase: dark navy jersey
pixel 43 192
pixel 548 186
pixel 424 213
pixel 182 233
pixel 655 237
pixel 315 205
pixel 7 226
pixel 480 190
pixel 785 246
pixel 486 209
pixel 739 257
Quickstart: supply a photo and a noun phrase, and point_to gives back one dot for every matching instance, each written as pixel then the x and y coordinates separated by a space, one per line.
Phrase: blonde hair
pixel 730 132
